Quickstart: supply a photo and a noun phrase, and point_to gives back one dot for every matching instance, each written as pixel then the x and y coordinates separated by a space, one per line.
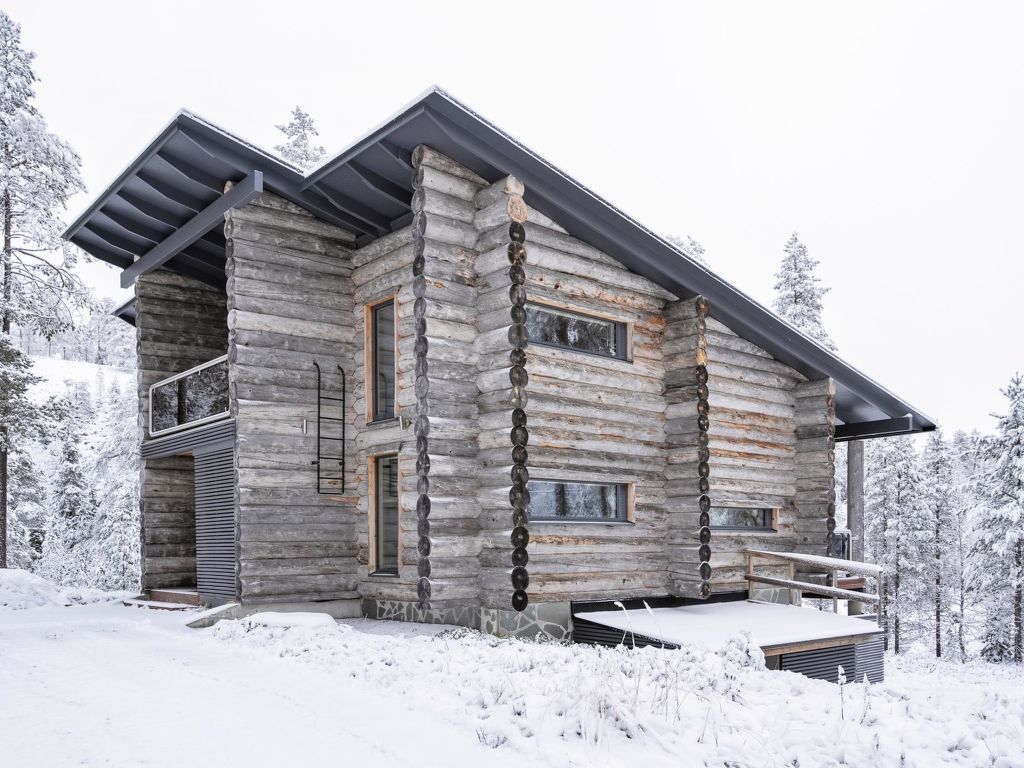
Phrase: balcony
pixel 190 398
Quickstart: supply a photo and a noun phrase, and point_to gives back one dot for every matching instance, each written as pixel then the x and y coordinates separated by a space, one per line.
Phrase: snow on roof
pixel 712 624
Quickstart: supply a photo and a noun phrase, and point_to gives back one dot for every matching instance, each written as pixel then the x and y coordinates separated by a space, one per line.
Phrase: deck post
pixel 855 498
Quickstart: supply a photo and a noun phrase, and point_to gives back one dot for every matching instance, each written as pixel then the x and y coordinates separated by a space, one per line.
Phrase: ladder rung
pixel 337 399
pixel 340 439
pixel 330 418
pixel 332 458
pixel 335 479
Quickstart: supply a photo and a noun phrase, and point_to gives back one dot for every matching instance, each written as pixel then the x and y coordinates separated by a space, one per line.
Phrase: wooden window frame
pixel 372 515
pixel 623 330
pixel 625 494
pixel 773 517
pixel 370 354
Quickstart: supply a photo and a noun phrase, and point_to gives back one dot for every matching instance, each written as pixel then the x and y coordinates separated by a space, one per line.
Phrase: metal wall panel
pixel 216 540
pixel 823 664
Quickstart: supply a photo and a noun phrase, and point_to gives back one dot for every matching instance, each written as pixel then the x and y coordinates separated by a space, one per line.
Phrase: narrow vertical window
pixel 385 515
pixel 382 361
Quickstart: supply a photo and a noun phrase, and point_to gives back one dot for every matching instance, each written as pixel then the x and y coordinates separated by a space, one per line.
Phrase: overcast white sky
pixel 890 135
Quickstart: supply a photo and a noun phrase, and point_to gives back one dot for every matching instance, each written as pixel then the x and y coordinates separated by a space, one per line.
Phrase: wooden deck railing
pixel 826 565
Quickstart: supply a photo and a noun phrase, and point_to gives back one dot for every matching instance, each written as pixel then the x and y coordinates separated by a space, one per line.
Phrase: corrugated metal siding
pixel 823 664
pixel 216 548
pixel 870 660
pixel 591 632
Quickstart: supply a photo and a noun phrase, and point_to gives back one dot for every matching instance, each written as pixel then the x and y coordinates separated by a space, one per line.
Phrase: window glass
pixel 200 395
pixel 382 320
pixel 558 328
pixel 741 517
pixel 554 500
pixel 386 515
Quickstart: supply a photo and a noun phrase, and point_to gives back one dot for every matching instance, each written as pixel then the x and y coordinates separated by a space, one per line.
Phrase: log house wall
pixel 290 302
pixel 180 324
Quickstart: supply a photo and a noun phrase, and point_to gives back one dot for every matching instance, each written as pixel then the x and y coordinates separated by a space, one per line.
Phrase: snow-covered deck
pixel 776 628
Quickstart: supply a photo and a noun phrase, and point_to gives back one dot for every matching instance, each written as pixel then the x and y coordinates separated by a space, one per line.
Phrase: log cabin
pixel 436 379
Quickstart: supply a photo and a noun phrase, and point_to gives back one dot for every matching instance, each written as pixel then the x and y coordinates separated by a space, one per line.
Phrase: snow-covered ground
pixel 102 684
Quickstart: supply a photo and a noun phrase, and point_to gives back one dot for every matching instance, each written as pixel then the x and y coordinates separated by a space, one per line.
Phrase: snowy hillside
pixel 57 374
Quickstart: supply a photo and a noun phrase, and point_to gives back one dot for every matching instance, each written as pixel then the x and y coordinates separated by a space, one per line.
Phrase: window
pixel 381 329
pixel 743 518
pixel 582 333
pixel 554 500
pixel 384 527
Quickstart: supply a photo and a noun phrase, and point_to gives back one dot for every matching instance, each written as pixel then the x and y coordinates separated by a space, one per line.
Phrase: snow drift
pixel 20 590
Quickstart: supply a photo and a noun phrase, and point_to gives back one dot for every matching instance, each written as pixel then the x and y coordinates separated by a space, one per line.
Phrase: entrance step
pixel 141 602
pixel 183 596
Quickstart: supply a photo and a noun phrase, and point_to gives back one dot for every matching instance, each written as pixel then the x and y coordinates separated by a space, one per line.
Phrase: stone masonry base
pixel 548 621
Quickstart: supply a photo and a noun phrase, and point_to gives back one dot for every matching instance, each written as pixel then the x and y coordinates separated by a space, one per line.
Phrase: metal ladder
pixel 330 448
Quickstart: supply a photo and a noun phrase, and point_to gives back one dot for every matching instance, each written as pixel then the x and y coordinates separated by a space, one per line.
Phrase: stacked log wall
pixel 752 446
pixel 589 418
pixel 442 491
pixel 180 324
pixel 290 298
pixel 815 497
pixel 686 445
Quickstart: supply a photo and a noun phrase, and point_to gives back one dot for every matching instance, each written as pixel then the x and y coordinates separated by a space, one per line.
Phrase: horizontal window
pixel 743 518
pixel 554 500
pixel 569 330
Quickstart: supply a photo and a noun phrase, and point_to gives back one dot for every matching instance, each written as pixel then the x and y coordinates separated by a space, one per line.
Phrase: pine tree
pixel 798 292
pixel 38 173
pixel 966 458
pixel 22 420
pixel 938 468
pixel 27 510
pixel 691 247
pixel 298 149
pixel 115 535
pixel 67 553
pixel 1000 543
pixel 897 526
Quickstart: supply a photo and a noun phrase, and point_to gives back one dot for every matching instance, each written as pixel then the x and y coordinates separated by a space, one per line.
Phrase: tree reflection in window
pixel 570 330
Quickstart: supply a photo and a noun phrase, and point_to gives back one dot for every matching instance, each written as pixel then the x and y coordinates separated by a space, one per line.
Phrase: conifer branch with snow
pixel 798 292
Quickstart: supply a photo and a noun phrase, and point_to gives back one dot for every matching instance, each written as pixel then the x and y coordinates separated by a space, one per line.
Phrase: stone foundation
pixel 540 621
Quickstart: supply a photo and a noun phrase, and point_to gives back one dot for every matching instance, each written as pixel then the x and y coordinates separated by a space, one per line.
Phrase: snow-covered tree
pixel 67 549
pixel 938 497
pixel 897 526
pixel 27 512
pixel 691 247
pixel 22 420
pixel 38 288
pixel 115 468
pixel 967 461
pixel 298 148
pixel 798 292
pixel 1000 529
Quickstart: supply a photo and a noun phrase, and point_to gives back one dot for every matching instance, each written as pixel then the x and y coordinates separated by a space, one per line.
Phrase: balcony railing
pixel 190 398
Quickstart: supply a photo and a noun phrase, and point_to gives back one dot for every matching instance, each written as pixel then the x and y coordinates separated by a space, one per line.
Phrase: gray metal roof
pixel 367 190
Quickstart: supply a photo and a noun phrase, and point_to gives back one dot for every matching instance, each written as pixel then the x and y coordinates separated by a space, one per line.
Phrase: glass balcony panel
pixel 197 396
